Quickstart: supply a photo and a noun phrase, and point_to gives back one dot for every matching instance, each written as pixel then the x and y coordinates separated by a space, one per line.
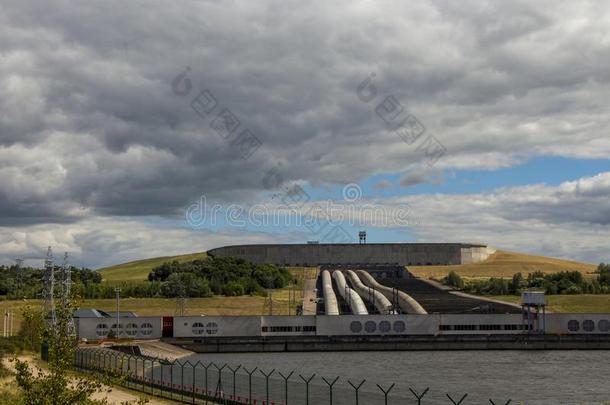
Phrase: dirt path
pixel 116 395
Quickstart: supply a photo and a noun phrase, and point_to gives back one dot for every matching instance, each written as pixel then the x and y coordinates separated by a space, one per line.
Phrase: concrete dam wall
pixel 404 254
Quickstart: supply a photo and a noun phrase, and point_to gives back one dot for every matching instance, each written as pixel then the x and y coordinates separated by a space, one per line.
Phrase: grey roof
pixel 98 313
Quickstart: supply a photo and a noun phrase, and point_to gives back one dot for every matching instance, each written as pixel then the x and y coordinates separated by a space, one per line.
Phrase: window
pixel 603 325
pixel 355 327
pixel 445 327
pixel 399 327
pixel 465 327
pixel 280 329
pixel 490 327
pixel 101 329
pixel 588 325
pixel 114 329
pixel 384 326
pixel 370 326
pixel 573 325
pixel 197 328
pixel 131 329
pixel 514 327
pixel 211 328
pixel 146 329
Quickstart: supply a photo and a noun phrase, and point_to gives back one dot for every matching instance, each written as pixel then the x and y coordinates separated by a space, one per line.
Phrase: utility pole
pixel 49 287
pixel 117 290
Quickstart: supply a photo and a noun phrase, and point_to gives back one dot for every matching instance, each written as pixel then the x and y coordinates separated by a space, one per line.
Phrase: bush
pixel 454 280
pixel 233 289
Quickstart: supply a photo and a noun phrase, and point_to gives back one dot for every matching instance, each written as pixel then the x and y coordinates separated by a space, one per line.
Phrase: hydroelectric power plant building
pixel 364 298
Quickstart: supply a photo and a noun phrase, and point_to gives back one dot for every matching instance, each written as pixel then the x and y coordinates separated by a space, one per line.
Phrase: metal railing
pixel 211 383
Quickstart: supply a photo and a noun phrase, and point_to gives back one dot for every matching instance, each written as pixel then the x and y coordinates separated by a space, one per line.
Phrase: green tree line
pixel 220 276
pixel 198 278
pixel 564 282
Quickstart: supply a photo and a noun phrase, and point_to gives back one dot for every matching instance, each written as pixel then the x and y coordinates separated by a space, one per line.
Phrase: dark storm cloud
pixel 87 102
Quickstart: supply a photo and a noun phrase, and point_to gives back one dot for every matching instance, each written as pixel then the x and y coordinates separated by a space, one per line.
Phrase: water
pixel 530 377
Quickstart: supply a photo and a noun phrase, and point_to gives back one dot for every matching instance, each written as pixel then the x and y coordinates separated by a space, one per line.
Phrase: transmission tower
pixel 19 265
pixel 66 290
pixel 49 287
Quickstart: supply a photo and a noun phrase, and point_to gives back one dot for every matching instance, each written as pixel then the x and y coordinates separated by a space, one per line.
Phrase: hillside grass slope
pixel 138 270
pixel 505 264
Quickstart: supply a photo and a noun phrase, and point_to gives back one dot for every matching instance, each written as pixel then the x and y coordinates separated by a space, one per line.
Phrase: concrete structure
pixel 376 298
pixel 362 332
pixel 330 299
pixel 350 296
pixel 404 254
pixel 406 303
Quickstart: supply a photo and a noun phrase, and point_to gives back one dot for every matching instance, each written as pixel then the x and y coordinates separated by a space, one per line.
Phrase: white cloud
pixel 89 126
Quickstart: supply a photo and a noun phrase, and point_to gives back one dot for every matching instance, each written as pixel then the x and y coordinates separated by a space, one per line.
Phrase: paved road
pixel 309 296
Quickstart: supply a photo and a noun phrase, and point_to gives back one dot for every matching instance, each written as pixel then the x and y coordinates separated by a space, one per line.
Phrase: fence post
pixel 267 383
pixel 193 381
pixel 219 389
pixel 356 388
pixel 234 371
pixel 250 383
pixel 161 378
pixel 507 402
pixel 330 388
pixel 419 396
pixel 386 392
pixel 286 385
pixel 459 402
pixel 143 372
pixel 182 379
pixel 307 381
pixel 206 380
pixel 171 379
pixel 152 375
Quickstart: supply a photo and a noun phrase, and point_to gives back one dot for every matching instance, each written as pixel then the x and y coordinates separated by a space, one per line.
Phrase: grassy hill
pixel 505 264
pixel 138 270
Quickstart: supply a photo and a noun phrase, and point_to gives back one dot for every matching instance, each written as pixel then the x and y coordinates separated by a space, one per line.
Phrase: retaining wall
pixel 404 254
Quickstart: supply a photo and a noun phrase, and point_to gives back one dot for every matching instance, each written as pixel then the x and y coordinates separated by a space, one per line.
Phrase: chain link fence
pixel 212 383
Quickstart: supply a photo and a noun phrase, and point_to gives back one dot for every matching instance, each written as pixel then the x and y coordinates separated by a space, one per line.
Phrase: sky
pixel 138 129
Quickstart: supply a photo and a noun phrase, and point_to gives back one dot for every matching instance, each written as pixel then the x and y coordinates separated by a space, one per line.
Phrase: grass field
pixel 505 264
pixel 583 303
pixel 138 270
pixel 217 305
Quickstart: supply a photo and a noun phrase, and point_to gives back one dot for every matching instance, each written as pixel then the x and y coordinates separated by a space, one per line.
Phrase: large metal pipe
pixel 330 299
pixel 381 303
pixel 406 303
pixel 350 296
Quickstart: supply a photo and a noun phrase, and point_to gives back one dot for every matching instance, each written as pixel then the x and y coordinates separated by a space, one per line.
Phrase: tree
pixel 55 386
pixel 517 284
pixel 31 327
pixel 604 274
pixel 454 280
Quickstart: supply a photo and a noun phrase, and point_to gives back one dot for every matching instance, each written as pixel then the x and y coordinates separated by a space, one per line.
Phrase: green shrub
pixel 454 280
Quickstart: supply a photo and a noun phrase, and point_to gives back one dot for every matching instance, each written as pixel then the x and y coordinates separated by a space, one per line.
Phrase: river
pixel 529 377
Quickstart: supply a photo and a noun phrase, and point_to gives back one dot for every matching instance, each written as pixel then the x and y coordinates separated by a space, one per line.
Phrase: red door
pixel 168 326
